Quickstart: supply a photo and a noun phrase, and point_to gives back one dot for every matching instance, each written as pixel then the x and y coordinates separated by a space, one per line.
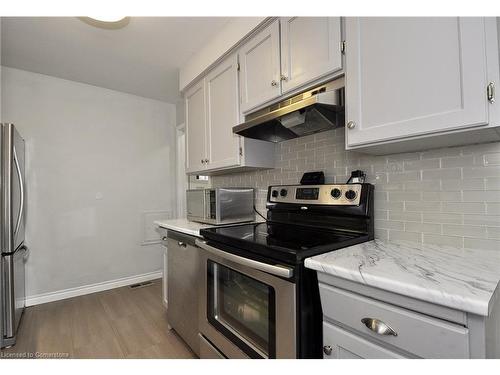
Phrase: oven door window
pixel 243 309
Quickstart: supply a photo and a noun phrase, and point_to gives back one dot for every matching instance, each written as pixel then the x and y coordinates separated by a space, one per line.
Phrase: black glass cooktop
pixel 285 242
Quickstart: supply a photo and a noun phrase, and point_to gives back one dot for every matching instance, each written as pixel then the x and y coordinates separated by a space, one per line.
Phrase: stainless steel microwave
pixel 220 205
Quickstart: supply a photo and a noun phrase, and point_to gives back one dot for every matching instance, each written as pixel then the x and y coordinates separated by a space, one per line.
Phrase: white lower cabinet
pixel 212 109
pixel 360 321
pixel 341 344
pixel 411 78
pixel 423 336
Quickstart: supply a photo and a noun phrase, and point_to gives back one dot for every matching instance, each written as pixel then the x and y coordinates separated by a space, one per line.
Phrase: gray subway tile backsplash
pixel 448 196
pixel 434 239
pixel 440 218
pixel 484 220
pixel 493 232
pixel 423 227
pixel 464 207
pixel 465 230
pixel 481 172
pixel 475 243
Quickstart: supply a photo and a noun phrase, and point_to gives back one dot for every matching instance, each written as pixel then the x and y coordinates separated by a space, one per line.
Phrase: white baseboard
pixel 92 288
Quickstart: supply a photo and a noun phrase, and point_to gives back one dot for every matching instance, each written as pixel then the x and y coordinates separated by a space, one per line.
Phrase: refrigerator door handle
pixel 21 186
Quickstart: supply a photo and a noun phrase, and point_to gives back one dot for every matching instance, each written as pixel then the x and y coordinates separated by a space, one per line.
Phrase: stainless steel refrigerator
pixel 12 220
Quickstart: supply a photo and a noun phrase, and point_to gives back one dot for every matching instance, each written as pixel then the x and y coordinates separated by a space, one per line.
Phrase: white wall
pixel 96 160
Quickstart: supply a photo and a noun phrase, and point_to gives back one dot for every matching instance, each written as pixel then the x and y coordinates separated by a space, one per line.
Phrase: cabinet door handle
pixel 164 238
pixel 491 92
pixel 327 349
pixel 284 78
pixel 274 83
pixel 202 161
pixel 378 327
pixel 181 244
pixel 351 125
pixel 206 161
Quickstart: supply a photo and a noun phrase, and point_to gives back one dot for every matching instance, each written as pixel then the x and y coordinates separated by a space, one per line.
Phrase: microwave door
pixel 196 204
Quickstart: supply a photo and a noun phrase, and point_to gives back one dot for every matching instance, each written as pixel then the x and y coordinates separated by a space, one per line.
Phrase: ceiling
pixel 142 59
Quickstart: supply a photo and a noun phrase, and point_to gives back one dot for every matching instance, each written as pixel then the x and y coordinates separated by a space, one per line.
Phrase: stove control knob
pixel 275 193
pixel 283 192
pixel 350 195
pixel 335 193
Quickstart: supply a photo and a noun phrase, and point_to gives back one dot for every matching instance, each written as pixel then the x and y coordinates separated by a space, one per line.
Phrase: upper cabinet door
pixel 260 68
pixel 413 76
pixel 195 127
pixel 310 49
pixel 222 114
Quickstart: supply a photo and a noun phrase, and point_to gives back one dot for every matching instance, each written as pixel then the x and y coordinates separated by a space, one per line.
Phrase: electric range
pixel 259 301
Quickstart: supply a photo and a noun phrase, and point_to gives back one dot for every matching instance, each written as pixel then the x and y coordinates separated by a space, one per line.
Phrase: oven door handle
pixel 277 270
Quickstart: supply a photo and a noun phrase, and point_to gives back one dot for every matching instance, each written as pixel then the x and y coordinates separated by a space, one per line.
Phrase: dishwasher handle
pixel 273 269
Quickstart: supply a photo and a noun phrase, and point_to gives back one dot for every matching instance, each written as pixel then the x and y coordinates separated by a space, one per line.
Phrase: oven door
pixel 246 312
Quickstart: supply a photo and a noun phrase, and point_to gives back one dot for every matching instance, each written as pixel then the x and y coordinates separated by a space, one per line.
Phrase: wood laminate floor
pixel 118 323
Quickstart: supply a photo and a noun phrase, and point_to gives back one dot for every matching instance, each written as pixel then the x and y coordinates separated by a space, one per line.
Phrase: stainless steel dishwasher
pixel 183 287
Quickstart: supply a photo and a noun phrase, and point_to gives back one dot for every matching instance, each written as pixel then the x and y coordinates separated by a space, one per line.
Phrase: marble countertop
pixel 183 225
pixel 461 279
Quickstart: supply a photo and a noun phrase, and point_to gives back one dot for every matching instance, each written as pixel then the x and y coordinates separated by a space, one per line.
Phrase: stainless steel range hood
pixel 313 111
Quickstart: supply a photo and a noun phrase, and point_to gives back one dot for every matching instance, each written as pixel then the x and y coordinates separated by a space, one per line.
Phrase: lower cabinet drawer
pixel 340 344
pixel 409 331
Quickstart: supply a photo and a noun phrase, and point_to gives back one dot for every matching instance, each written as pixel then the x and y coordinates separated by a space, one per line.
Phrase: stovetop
pixel 286 243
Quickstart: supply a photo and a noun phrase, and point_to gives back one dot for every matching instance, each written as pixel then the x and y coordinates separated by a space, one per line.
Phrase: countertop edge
pixel 179 228
pixel 189 227
pixel 439 297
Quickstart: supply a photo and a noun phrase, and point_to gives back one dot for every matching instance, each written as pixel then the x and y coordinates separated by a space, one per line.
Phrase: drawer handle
pixel 378 327
pixel 181 244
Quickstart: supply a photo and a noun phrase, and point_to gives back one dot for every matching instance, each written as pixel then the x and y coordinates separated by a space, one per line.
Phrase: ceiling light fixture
pixel 106 22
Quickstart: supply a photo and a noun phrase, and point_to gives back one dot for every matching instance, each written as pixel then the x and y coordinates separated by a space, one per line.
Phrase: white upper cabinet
pixel 310 48
pixel 408 77
pixel 212 109
pixel 222 114
pixel 195 127
pixel 274 62
pixel 260 68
